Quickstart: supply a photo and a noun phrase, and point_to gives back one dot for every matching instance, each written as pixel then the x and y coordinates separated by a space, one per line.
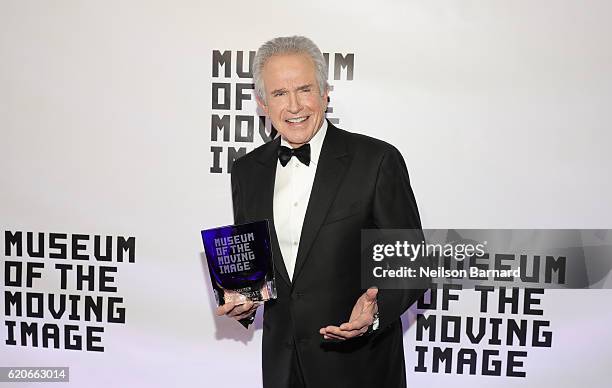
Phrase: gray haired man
pixel 319 186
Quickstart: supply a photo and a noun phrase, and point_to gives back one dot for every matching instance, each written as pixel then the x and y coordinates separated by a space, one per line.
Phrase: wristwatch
pixel 374 326
pixel 376 322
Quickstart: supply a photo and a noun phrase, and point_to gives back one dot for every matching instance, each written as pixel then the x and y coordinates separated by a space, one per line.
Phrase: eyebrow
pixel 299 88
pixel 304 87
pixel 278 91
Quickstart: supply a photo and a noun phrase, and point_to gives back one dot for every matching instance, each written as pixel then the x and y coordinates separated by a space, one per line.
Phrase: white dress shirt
pixel 291 194
pixel 292 189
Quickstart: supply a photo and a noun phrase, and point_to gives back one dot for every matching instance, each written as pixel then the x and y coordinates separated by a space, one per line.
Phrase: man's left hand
pixel 361 318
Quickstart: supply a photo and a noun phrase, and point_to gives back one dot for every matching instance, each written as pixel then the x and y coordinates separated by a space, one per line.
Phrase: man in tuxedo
pixel 320 186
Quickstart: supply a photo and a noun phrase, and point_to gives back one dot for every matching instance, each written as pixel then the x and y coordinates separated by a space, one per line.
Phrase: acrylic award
pixel 240 264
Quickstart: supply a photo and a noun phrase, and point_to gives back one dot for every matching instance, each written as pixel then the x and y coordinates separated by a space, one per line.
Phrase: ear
pixel 261 103
pixel 325 97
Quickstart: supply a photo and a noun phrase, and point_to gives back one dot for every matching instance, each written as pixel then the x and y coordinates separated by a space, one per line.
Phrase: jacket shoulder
pixel 369 145
pixel 259 153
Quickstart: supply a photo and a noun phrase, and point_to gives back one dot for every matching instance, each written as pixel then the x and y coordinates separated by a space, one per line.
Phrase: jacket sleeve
pixel 239 218
pixel 394 207
pixel 237 195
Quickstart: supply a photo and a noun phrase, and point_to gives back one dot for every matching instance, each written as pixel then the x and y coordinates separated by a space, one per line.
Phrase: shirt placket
pixel 294 221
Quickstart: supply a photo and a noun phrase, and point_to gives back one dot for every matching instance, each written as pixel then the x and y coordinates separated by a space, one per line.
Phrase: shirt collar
pixel 316 143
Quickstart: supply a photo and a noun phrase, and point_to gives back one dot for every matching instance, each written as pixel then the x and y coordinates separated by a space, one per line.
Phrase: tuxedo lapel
pixel 333 163
pixel 265 201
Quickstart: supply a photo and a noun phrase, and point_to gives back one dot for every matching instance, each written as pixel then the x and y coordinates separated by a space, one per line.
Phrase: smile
pixel 297 119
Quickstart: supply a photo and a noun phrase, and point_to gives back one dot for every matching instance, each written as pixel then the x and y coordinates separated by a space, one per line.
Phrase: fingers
pixel 349 333
pixel 245 315
pixel 327 335
pixel 335 332
pixel 224 309
pixel 371 294
pixel 238 312
pixel 357 324
pixel 240 309
pixel 333 337
pixel 248 312
pixel 347 330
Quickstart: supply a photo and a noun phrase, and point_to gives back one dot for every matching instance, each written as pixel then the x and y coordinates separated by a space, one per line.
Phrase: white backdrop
pixel 500 108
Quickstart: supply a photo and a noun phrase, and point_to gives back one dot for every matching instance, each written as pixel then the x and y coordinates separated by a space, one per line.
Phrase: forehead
pixel 287 70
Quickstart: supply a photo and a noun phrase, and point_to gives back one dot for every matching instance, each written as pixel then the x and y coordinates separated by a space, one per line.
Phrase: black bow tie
pixel 302 153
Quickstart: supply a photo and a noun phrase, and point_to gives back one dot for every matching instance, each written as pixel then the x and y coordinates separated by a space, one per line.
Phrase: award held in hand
pixel 240 264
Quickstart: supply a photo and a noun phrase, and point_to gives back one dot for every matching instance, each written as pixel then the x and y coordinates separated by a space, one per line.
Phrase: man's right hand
pixel 238 311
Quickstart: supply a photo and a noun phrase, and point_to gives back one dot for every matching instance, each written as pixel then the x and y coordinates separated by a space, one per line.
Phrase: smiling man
pixel 319 186
pixel 295 103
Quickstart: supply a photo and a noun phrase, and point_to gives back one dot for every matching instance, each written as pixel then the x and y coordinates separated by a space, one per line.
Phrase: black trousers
pixel 296 376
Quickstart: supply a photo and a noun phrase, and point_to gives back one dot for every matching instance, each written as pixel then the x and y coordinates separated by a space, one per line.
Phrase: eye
pixel 306 90
pixel 278 94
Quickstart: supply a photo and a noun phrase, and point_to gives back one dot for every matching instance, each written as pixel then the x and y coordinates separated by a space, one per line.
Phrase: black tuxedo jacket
pixel 360 183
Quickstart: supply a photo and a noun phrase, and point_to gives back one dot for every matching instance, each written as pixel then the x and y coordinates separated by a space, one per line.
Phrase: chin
pixel 305 138
pixel 295 138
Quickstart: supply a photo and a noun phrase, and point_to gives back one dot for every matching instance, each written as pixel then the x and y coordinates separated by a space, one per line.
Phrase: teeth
pixel 297 119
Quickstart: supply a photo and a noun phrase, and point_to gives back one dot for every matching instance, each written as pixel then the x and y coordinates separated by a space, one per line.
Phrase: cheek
pixel 274 110
pixel 277 107
pixel 314 103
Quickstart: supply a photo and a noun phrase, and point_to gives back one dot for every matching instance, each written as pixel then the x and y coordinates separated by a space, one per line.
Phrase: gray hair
pixel 289 45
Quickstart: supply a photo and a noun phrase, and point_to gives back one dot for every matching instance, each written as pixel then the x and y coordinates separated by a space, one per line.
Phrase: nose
pixel 294 103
